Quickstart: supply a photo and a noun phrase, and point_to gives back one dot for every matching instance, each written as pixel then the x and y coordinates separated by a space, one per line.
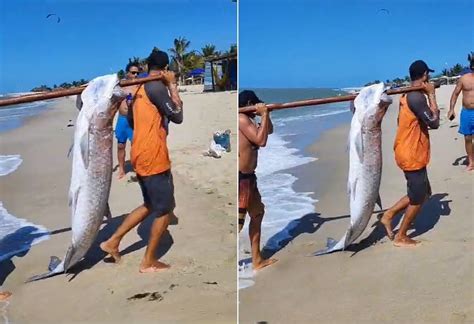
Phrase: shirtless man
pixel 466 125
pixel 251 138
pixel 123 131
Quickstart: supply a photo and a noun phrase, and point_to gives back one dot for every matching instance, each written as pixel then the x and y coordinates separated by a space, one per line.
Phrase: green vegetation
pixel 453 71
pixel 182 61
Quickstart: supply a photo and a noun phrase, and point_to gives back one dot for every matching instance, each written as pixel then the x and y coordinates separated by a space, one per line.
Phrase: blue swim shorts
pixel 466 126
pixel 123 131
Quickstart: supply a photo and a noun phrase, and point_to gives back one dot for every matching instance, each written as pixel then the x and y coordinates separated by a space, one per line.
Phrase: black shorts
pixel 418 186
pixel 158 193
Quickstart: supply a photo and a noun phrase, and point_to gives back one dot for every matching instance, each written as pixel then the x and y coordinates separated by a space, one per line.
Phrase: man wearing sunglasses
pixel 123 131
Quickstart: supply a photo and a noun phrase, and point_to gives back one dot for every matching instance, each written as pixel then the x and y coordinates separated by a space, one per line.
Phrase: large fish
pixel 91 169
pixel 365 162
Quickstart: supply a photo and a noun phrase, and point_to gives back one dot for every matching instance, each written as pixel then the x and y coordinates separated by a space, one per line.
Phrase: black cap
pixel 248 97
pixel 158 59
pixel 418 68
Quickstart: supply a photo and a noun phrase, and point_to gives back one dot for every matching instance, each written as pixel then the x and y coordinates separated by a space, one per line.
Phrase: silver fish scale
pixel 94 193
pixel 91 169
pixel 369 174
pixel 365 167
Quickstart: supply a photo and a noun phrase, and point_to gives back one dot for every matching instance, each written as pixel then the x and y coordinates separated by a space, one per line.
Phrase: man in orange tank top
pixel 154 105
pixel 412 151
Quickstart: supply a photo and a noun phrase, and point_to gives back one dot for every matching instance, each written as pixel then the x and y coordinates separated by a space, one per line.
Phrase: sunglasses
pixel 134 72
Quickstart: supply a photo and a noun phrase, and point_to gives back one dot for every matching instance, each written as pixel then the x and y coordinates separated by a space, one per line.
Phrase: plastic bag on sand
pixel 220 143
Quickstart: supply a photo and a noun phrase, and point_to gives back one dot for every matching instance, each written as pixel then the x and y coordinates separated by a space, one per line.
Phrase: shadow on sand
pixel 459 160
pixel 16 244
pixel 309 223
pixel 95 254
pixel 426 220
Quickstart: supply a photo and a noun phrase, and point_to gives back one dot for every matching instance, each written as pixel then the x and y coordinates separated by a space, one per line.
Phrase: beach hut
pixel 195 76
pixel 220 73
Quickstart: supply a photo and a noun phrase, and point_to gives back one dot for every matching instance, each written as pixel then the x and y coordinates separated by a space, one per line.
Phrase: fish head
pixel 101 99
pixel 371 104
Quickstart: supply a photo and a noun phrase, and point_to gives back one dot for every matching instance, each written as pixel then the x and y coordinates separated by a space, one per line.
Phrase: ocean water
pixel 294 131
pixel 12 117
pixel 17 235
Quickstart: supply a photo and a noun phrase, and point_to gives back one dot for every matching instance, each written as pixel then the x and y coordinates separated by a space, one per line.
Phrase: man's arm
pixel 159 96
pixel 270 125
pixel 123 108
pixel 256 135
pixel 429 115
pixel 454 98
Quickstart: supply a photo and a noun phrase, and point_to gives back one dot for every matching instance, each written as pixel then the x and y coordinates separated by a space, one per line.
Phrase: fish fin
pixel 85 149
pixel 55 267
pixel 42 276
pixel 359 147
pixel 108 213
pixel 379 201
pixel 348 238
pixel 70 150
pixel 73 196
pixel 68 257
pixel 352 187
pixel 53 263
pixel 330 244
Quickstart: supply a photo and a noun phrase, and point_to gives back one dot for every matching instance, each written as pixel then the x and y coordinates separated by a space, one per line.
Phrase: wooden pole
pixel 67 92
pixel 320 101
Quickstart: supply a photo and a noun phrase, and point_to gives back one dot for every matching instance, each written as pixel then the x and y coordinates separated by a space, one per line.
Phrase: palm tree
pixel 181 44
pixel 192 61
pixel 121 74
pixel 457 69
pixel 209 50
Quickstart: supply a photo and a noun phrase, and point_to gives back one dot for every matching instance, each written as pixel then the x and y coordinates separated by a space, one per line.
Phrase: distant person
pixel 123 131
pixel 4 295
pixel 251 138
pixel 466 125
pixel 154 104
pixel 412 151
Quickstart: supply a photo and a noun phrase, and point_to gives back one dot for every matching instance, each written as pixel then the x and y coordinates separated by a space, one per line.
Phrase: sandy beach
pixel 375 282
pixel 200 287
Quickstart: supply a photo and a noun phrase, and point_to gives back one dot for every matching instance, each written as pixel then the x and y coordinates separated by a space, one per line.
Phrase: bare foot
pixel 154 267
pixel 4 295
pixel 121 174
pixel 264 263
pixel 113 251
pixel 405 242
pixel 470 167
pixel 386 221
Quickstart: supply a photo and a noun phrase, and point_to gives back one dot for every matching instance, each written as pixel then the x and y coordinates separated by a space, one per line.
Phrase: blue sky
pixel 96 37
pixel 339 43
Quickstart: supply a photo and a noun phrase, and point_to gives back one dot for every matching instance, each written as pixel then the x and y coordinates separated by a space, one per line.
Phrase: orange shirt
pixel 149 152
pixel 412 143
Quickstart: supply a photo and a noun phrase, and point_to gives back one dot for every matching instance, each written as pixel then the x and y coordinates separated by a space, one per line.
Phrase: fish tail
pixel 55 267
pixel 330 245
